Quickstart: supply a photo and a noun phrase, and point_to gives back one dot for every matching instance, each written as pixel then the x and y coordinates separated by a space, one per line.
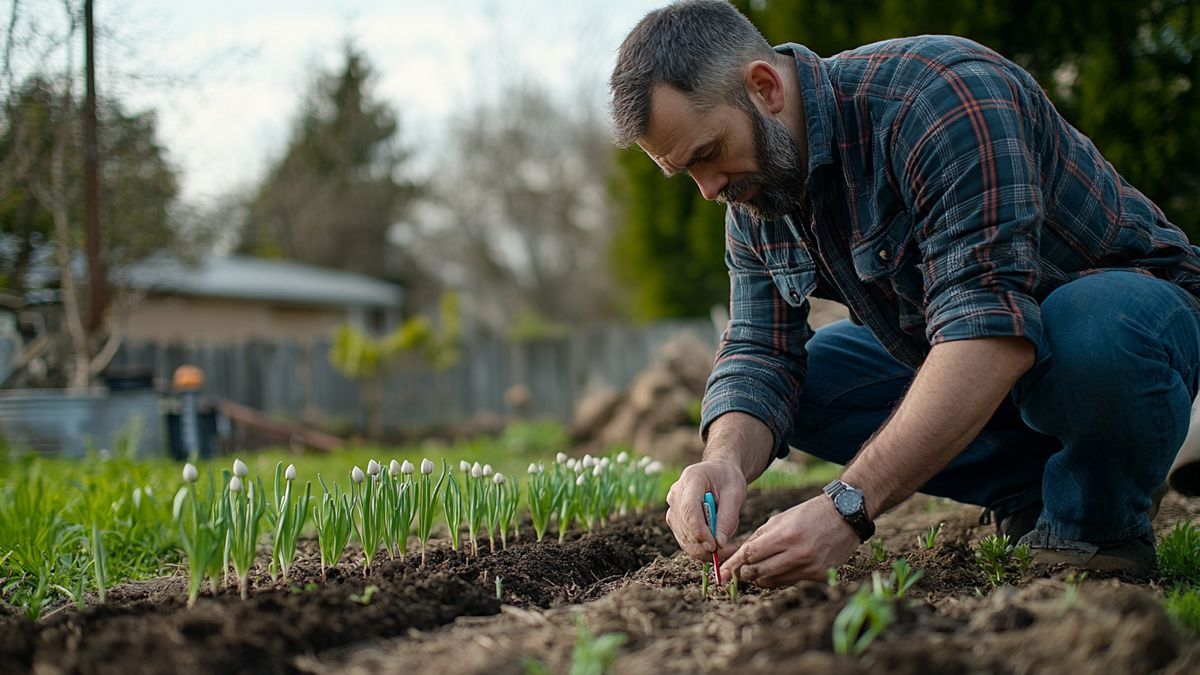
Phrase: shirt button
pixel 794 294
pixel 884 255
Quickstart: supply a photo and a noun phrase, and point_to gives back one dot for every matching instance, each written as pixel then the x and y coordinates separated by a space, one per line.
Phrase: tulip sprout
pixel 427 494
pixel 334 520
pixel 452 508
pixel 508 494
pixel 542 493
pixel 201 530
pixel 369 511
pixel 402 509
pixel 246 509
pixel 290 514
pixel 476 505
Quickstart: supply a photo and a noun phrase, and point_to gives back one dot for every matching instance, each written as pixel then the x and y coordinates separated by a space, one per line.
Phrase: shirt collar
pixel 816 91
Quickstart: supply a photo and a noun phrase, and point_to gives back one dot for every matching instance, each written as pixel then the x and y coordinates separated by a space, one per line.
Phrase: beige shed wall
pixel 182 319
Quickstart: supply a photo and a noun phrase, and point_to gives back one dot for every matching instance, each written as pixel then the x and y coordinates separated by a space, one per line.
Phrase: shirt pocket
pixel 795 283
pixel 884 249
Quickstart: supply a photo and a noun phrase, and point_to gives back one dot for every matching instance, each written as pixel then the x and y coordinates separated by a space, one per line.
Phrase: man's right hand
pixel 685 513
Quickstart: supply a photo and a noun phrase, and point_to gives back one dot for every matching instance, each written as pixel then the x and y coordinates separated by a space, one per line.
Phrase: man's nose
pixel 710 183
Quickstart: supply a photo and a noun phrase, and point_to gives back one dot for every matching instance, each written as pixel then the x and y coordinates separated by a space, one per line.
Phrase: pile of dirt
pixel 658 415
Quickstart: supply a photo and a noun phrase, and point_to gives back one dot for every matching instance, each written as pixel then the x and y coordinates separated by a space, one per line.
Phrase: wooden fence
pixel 295 381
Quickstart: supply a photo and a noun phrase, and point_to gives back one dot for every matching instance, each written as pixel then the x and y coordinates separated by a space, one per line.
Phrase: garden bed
pixel 628 578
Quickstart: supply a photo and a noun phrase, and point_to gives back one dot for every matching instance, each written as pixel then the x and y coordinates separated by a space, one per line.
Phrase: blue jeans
pixel 1090 431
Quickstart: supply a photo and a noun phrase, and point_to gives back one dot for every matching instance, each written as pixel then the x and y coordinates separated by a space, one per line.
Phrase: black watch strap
pixel 857 517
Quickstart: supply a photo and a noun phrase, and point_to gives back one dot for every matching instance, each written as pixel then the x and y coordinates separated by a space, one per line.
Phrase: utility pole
pixel 97 279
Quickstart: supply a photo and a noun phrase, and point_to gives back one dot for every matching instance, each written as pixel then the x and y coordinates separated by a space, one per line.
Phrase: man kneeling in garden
pixel 1026 335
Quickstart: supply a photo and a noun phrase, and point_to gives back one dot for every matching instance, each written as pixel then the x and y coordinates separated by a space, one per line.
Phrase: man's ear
pixel 764 84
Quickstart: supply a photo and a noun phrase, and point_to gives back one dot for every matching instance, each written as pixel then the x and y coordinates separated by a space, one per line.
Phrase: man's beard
pixel 781 172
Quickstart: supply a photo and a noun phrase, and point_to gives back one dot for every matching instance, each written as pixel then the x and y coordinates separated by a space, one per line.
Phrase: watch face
pixel 848 501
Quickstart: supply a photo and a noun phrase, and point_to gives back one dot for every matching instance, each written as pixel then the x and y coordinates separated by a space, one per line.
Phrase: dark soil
pixel 628 578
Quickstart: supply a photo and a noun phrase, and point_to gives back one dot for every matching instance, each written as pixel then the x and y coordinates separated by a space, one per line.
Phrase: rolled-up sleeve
pixel 964 152
pixel 761 360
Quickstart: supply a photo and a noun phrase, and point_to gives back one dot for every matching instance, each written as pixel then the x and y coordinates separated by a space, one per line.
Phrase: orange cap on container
pixel 188 378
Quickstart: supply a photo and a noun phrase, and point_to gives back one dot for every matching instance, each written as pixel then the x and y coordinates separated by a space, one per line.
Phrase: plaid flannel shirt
pixel 946 198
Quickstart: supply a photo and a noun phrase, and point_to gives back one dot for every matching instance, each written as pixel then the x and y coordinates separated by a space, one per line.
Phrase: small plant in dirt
pixel 1183 605
pixel 1179 555
pixel 246 503
pixel 401 506
pixel 202 525
pixel 995 557
pixel 427 498
pixel 364 598
pixel 287 514
pixel 508 498
pixel 831 577
pixel 878 550
pixel 1023 557
pixel 544 492
pixel 732 589
pixel 594 654
pixel 370 510
pixel 333 516
pixel 705 573
pixel 864 618
pixel 452 508
pixel 871 609
pixel 927 539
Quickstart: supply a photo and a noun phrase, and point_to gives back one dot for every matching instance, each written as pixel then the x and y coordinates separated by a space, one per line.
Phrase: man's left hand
pixel 800 543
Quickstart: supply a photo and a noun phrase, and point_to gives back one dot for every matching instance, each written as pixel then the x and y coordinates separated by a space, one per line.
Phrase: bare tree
pixel 520 207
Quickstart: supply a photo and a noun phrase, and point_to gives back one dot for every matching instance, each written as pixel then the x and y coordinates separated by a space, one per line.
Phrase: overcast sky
pixel 226 76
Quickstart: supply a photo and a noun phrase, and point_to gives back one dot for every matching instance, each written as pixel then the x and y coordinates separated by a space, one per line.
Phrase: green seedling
pixel 289 513
pixel 508 495
pixel 1183 605
pixel 476 504
pixel 878 551
pixel 594 655
pixel 333 516
pixel 831 577
pixel 904 577
pixel 928 538
pixel 202 530
pixel 247 501
pixel 452 509
pixel 732 589
pixel 370 509
pixel 1179 555
pixel 365 597
pixel 1023 557
pixel 705 573
pixel 401 507
pixel 543 492
pixel 427 502
pixel 994 556
pixel 863 619
pixel 499 588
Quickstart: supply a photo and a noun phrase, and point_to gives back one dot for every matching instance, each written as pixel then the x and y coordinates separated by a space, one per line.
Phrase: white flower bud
pixel 533 468
pixel 487 470
pixel 498 479
pixel 373 468
pixel 394 468
pixel 290 472
pixel 407 468
pixel 622 457
pixel 464 466
pixel 357 475
pixel 580 480
pixel 235 484
pixel 137 498
pixel 653 468
pixel 561 458
pixel 240 469
pixel 426 467
pixel 588 461
pixel 597 470
pixel 644 462
pixel 604 462
pixel 148 491
pixel 572 463
pixel 190 472
pixel 476 470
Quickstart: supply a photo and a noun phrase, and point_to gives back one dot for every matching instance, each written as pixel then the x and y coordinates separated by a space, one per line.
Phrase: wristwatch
pixel 851 504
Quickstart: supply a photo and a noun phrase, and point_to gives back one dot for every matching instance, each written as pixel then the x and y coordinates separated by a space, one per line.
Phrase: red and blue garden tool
pixel 710 517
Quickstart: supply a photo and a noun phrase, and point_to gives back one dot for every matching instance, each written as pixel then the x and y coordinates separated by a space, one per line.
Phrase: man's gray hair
pixel 696 46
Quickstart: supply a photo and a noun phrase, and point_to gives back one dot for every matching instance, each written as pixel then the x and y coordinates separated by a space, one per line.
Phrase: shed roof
pixel 247 278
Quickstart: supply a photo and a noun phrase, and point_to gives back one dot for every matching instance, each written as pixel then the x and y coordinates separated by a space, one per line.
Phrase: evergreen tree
pixel 333 195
